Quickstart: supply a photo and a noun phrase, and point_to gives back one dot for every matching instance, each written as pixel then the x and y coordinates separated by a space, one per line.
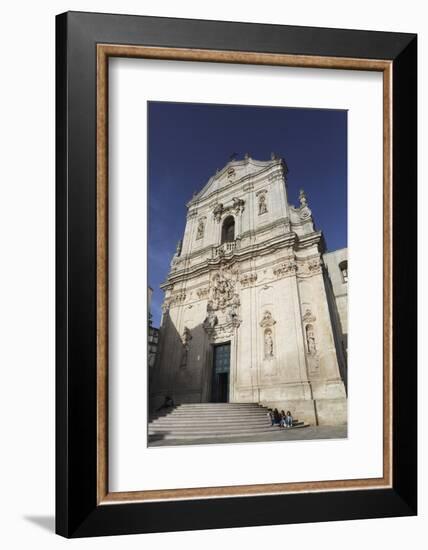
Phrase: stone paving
pixel 301 434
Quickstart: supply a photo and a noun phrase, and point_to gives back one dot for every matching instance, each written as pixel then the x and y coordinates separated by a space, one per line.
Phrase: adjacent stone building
pixel 249 313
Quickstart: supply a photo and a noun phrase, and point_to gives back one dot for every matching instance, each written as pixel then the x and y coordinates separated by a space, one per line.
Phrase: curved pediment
pixel 233 172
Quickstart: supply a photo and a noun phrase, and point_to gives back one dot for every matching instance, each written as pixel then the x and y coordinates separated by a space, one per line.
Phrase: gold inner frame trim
pixel 104 51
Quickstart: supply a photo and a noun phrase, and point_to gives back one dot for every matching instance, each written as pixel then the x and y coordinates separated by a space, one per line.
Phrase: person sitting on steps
pixel 276 418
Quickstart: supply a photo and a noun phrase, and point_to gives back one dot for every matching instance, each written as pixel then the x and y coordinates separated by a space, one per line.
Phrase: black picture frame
pixel 78 513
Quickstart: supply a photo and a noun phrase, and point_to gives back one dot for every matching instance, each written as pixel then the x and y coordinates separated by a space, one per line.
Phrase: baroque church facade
pixel 251 313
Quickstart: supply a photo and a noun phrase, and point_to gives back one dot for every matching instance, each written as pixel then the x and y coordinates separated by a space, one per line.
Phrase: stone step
pixel 211 414
pixel 219 428
pixel 219 409
pixel 192 418
pixel 218 406
pixel 208 422
pixel 211 420
pixel 210 435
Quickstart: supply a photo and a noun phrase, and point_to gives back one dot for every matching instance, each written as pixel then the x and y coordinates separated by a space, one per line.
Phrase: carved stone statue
pixel 179 247
pixel 238 205
pixel 187 336
pixel 233 316
pixel 218 211
pixel 302 198
pixel 211 318
pixel 268 344
pixel 267 320
pixel 262 205
pixel 223 288
pixel 310 339
pixel 201 229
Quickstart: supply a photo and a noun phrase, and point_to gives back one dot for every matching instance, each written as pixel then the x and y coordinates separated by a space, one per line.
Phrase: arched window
pixel 228 230
pixel 343 266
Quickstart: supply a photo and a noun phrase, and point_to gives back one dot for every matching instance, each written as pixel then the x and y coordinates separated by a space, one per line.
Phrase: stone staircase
pixel 212 420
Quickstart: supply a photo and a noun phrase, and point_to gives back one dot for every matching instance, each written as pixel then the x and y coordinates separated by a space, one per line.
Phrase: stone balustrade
pixel 225 249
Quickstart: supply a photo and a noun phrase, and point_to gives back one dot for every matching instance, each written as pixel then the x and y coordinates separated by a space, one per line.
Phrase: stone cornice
pixel 264 228
pixel 241 254
pixel 259 230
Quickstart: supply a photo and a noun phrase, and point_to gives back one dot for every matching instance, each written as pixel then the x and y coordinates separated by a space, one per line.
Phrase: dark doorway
pixel 221 370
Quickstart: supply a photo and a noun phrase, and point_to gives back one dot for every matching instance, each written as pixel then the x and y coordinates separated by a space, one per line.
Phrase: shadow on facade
pixel 188 376
pixel 340 338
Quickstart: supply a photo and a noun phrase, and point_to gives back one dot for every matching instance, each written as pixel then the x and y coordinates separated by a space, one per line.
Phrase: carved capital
pixel 285 269
pixel 177 299
pixel 202 293
pixel 192 214
pixel 248 279
pixel 309 267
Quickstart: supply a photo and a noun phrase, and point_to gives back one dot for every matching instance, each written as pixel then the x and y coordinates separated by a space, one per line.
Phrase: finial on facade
pixel 233 156
pixel 273 156
pixel 302 198
pixel 247 156
pixel 179 246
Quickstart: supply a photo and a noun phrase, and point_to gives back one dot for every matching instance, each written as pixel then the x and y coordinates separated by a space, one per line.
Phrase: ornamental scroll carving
pixel 237 207
pixel 223 286
pixel 224 303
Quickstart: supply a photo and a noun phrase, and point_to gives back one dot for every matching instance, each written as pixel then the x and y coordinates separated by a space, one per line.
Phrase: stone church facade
pixel 250 313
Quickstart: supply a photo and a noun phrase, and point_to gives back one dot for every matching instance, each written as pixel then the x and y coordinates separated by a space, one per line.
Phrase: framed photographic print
pixel 218 363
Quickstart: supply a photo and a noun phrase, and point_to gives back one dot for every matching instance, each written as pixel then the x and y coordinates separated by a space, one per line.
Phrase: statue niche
pixel 200 230
pixel 187 336
pixel 267 324
pixel 262 204
pixel 310 340
pixel 268 344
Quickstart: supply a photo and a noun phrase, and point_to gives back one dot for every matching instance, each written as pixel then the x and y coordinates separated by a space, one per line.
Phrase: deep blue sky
pixel 187 142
